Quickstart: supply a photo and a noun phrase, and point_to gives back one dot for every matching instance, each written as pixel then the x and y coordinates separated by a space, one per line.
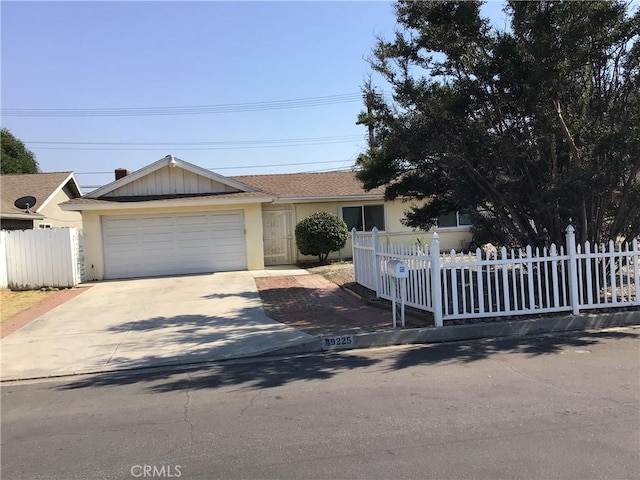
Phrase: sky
pixel 271 87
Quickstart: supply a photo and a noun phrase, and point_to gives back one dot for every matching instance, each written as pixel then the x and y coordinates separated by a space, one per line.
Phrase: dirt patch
pixel 339 273
pixel 12 303
pixel 342 274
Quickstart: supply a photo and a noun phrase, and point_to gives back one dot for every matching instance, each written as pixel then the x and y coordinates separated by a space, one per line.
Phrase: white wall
pixel 41 258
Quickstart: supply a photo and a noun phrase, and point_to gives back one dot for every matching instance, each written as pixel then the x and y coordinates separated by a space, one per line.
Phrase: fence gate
pixel 279 244
pixel 42 258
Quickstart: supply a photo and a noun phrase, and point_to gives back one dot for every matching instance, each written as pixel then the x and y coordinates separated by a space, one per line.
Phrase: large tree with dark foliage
pixel 525 128
pixel 16 158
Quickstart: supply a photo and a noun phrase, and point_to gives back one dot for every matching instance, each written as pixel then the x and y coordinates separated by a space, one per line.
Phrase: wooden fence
pixel 526 281
pixel 31 259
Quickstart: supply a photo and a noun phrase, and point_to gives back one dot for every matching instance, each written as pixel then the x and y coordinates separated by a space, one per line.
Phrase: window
pixel 364 217
pixel 44 225
pixel 454 219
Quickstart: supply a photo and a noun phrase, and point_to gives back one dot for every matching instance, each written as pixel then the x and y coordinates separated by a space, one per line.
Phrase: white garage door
pixel 151 245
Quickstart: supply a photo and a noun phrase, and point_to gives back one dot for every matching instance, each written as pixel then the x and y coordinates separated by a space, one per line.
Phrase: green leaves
pixel 527 127
pixel 16 158
pixel 320 234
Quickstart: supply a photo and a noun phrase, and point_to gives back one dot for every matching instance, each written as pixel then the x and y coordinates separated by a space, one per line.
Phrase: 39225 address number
pixel 340 341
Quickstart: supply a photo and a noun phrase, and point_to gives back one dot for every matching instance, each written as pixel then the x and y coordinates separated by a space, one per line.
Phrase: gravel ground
pixel 341 274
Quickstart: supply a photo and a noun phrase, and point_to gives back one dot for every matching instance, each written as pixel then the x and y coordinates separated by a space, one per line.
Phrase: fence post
pixel 436 285
pixel 636 277
pixel 573 270
pixel 376 260
pixel 356 261
pixel 3 261
pixel 353 242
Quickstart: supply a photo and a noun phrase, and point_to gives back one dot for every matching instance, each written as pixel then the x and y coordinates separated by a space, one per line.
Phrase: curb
pixel 454 333
pixel 428 335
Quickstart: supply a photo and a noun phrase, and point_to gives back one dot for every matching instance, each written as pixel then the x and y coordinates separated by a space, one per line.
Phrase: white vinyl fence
pixel 3 262
pixel 457 285
pixel 31 259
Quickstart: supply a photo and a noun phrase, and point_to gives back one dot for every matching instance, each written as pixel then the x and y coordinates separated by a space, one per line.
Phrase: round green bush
pixel 320 234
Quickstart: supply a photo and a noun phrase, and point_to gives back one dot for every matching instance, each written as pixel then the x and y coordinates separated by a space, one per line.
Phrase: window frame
pixel 362 207
pixel 457 226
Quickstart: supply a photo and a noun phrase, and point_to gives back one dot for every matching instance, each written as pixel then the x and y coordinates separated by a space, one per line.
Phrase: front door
pixel 279 245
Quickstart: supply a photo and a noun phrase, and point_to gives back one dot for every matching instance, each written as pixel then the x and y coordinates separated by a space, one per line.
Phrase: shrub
pixel 320 234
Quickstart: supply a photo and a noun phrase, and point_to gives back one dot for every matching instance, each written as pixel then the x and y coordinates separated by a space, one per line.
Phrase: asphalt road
pixel 564 406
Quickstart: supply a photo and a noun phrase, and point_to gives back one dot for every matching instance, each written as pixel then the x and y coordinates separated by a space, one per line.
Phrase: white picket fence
pixel 31 259
pixel 457 285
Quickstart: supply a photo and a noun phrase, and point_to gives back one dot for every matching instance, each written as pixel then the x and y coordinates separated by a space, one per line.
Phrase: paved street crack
pixel 138 317
pixel 250 404
pixel 186 406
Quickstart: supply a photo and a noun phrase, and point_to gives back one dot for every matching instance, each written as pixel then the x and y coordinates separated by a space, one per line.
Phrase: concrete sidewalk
pixel 147 322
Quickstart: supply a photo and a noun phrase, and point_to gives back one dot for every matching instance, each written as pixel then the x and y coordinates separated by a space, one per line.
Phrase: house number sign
pixel 337 342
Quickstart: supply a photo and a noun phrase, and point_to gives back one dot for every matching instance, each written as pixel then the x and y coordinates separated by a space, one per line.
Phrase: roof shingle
pixel 320 184
pixel 39 185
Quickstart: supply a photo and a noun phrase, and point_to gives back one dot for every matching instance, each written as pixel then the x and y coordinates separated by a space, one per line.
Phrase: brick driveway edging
pixel 25 317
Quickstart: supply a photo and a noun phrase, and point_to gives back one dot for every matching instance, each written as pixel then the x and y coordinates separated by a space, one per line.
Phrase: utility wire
pixel 233 142
pixel 228 145
pixel 344 169
pixel 99 149
pixel 184 110
pixel 238 167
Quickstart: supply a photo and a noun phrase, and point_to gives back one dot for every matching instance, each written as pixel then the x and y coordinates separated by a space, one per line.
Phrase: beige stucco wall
pixel 92 222
pixel 56 217
pixel 396 232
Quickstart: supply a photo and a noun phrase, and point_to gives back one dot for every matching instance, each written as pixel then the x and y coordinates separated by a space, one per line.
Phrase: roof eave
pixel 21 216
pixel 69 180
pixel 332 198
pixel 167 203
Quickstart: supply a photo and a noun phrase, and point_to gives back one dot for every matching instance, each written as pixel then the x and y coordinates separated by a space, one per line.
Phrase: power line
pixel 184 110
pixel 161 146
pixel 344 169
pixel 98 149
pixel 233 142
pixel 239 167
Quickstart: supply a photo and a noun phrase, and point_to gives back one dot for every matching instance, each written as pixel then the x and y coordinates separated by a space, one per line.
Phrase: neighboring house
pixel 49 190
pixel 173 217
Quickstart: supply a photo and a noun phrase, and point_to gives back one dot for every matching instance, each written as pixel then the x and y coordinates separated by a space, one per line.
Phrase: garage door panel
pixel 225 233
pixel 124 223
pixel 160 222
pixel 148 245
pixel 197 236
pixel 161 236
pixel 194 220
pixel 123 238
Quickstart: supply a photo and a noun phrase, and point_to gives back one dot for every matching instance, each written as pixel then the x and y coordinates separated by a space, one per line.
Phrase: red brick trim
pixel 21 319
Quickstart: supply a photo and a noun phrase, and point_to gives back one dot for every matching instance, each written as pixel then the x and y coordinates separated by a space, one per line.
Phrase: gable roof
pixel 42 186
pixel 282 187
pixel 173 162
pixel 311 185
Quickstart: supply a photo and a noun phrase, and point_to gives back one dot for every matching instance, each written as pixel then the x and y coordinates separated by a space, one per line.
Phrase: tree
pixel 320 234
pixel 16 158
pixel 526 129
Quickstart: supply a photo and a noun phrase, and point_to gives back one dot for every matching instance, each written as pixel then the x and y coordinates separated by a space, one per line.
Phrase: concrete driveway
pixel 147 322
